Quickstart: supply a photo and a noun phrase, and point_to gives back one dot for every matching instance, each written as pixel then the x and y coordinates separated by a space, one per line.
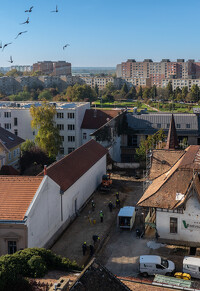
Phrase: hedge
pixel 31 262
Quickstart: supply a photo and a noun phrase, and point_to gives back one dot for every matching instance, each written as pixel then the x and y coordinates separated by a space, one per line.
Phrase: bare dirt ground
pixel 82 229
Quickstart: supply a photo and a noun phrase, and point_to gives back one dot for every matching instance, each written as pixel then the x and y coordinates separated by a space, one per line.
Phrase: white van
pixel 191 265
pixel 151 265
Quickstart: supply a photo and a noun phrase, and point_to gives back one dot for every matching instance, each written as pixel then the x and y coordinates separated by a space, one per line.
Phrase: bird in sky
pixel 56 9
pixel 20 33
pixel 11 60
pixel 5 45
pixel 65 46
pixel 0 44
pixel 26 22
pixel 29 10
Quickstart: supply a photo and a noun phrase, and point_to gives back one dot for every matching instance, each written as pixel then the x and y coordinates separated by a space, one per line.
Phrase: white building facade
pixel 15 117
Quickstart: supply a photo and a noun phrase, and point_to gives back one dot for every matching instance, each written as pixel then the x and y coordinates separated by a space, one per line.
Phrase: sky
pixel 101 33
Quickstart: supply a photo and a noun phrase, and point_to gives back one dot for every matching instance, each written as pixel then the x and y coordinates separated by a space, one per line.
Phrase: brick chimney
pixel 45 170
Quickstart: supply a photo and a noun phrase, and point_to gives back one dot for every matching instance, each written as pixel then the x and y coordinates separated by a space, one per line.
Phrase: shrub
pixel 37 266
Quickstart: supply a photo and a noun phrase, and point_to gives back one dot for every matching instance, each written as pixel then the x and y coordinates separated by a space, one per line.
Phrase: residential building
pixel 10 145
pixel 94 119
pixel 22 68
pixel 53 198
pixel 159 71
pixel 16 117
pixel 101 82
pixel 55 68
pixel 173 199
pixel 181 83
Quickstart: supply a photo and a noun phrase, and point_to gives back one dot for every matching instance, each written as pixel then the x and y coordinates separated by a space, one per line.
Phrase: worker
pixel 91 250
pixel 93 205
pixel 118 203
pixel 117 195
pixel 101 215
pixel 95 238
pixel 84 248
pixel 157 235
pixel 110 205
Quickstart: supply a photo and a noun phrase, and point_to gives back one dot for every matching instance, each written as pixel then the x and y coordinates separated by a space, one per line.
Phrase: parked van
pixel 151 265
pixel 191 265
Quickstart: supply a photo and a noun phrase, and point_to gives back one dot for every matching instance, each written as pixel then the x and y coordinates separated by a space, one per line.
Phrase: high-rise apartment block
pixel 157 72
pixel 54 68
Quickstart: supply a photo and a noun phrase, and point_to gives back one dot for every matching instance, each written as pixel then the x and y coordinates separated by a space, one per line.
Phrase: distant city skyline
pixel 100 34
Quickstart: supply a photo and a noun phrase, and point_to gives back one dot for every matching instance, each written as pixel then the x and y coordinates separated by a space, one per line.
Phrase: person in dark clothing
pixel 117 195
pixel 110 205
pixel 84 248
pixel 93 205
pixel 95 238
pixel 91 250
pixel 118 203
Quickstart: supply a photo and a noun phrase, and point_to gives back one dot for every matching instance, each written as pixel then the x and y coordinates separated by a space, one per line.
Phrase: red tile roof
pixel 69 169
pixel 95 118
pixel 8 170
pixel 16 194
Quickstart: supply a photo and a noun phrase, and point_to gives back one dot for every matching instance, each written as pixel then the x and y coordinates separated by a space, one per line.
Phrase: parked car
pixel 151 265
pixel 191 265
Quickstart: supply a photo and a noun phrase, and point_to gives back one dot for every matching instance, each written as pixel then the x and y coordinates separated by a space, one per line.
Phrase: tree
pixel 13 73
pixel 184 92
pixel 140 91
pixel 124 90
pixel 96 89
pixel 47 138
pixel 169 90
pixel 27 146
pixel 110 87
pixel 146 93
pixel 131 94
pixel 195 93
pixel 45 95
pixel 80 93
pixel 153 92
pixel 149 143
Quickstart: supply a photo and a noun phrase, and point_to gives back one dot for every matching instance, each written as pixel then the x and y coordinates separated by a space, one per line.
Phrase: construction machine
pixel 106 183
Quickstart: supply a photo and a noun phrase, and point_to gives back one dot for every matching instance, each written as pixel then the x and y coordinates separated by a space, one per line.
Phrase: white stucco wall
pixel 88 137
pixel 44 214
pixel 83 188
pixel 191 216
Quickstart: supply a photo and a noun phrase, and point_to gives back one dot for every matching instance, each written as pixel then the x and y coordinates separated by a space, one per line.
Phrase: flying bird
pixel 5 45
pixel 20 33
pixel 65 46
pixel 11 60
pixel 26 22
pixel 0 44
pixel 29 10
pixel 56 9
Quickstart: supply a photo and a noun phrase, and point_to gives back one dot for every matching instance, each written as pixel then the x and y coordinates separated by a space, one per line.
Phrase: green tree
pixel 96 89
pixel 27 145
pixel 13 73
pixel 169 90
pixel 146 93
pixel 195 93
pixel 45 95
pixel 184 92
pixel 80 93
pixel 150 143
pixel 140 91
pixel 177 91
pixel 131 94
pixel 110 87
pixel 124 90
pixel 47 138
pixel 153 92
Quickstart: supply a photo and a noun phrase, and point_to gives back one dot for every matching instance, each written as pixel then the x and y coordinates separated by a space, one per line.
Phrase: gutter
pixel 13 221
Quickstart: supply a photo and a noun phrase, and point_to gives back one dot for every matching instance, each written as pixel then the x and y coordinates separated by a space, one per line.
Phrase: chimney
pixel 45 170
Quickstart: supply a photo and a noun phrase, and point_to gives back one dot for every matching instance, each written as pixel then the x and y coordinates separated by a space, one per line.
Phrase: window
pixel 71 138
pixel 9 156
pixel 14 153
pixel 178 125
pixel 12 247
pixel 84 135
pixel 159 267
pixel 7 125
pixel 7 114
pixel 60 126
pixel 15 121
pixel 71 126
pixel 62 138
pixel 158 125
pixel 70 150
pixel 70 115
pixel 187 125
pixel 62 151
pixel 60 115
pixel 33 132
pixel 173 225
pixel 167 125
pixel 15 131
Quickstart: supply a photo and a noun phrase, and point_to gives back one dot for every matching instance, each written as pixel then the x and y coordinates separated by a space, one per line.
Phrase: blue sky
pixel 100 33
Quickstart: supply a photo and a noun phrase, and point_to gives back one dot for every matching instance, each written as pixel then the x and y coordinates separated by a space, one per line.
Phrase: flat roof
pixel 27 105
pixel 127 211
pixel 191 261
pixel 150 259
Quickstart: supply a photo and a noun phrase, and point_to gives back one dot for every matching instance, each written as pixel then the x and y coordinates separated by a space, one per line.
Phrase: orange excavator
pixel 106 183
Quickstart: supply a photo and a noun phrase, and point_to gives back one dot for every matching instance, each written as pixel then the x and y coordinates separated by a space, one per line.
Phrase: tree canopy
pixel 48 137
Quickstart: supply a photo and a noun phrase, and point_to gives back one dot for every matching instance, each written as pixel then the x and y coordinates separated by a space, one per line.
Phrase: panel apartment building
pixel 157 72
pixel 54 68
pixel 16 118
